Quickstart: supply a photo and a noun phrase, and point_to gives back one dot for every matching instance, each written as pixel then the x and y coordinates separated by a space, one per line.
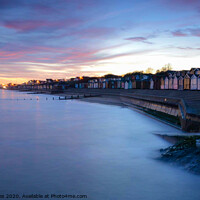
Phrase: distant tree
pixel 135 72
pixel 140 72
pixel 110 76
pixel 149 70
pixel 128 74
pixel 167 67
pixel 157 71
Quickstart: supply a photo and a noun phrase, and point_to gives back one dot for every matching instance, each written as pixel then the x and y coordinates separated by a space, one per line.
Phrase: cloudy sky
pixel 40 39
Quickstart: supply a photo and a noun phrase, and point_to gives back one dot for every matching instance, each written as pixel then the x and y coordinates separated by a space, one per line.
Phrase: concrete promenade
pixel 185 105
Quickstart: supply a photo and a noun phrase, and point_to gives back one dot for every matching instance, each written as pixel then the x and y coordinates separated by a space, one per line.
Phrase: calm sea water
pixel 71 147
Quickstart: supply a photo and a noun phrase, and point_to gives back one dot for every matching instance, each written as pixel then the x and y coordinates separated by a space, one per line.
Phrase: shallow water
pixel 71 147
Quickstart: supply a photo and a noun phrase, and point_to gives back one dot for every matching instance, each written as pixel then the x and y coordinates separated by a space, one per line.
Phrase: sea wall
pixel 173 109
pixel 178 107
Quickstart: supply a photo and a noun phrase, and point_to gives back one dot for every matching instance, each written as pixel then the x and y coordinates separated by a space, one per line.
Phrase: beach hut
pixel 119 83
pixel 110 83
pixel 100 83
pixel 104 84
pixel 133 82
pixel 170 83
pixel 145 82
pixel 126 85
pixel 91 83
pixel 96 84
pixel 180 83
pixel 130 84
pixel 122 83
pixel 151 83
pixel 194 82
pixel 175 83
pixel 162 83
pixel 157 82
pixel 187 82
pixel 76 85
pixel 198 82
pixel 138 81
pixel 166 83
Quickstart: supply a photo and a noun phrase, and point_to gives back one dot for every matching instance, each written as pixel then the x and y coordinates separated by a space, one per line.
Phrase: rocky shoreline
pixel 185 153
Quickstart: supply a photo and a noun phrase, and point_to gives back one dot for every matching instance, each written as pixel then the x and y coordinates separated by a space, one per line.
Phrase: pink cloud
pixel 24 25
pixel 6 55
pixel 179 34
pixel 29 25
pixel 195 32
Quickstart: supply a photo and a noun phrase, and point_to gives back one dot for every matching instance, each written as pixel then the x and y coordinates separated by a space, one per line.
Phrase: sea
pixel 70 149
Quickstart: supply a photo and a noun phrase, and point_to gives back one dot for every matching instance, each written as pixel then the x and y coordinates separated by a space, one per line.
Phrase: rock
pixel 185 153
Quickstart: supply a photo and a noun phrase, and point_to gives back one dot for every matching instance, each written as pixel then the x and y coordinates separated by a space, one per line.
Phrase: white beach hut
pixel 119 84
pixel 130 84
pixel 104 84
pixel 126 85
pixel 194 82
pixel 175 83
pixel 151 84
pixel 166 83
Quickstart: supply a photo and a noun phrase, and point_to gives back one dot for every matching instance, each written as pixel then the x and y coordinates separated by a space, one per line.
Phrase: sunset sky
pixel 42 39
